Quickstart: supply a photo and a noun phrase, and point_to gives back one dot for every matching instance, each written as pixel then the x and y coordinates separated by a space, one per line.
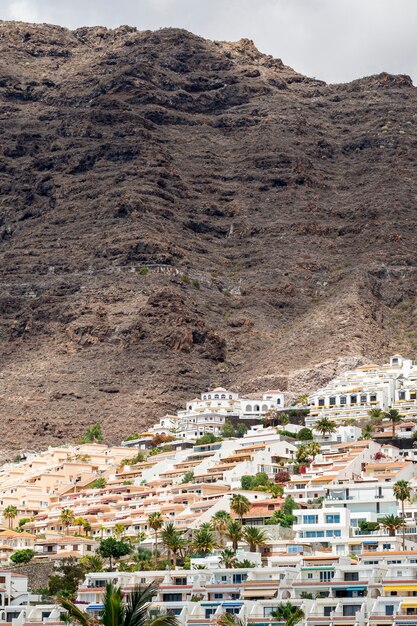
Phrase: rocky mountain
pixel 178 213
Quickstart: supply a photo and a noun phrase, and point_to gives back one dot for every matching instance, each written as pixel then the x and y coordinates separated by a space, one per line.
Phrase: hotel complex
pixel 338 541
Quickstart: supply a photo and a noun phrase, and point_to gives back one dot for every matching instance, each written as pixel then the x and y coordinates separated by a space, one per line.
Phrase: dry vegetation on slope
pixel 283 208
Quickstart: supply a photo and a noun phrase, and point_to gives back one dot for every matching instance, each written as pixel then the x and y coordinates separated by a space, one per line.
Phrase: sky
pixel 334 40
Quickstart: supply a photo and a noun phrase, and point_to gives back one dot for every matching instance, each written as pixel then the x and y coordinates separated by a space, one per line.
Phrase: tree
pixel 94 434
pixel 92 563
pixel 241 430
pixel 303 399
pixel 288 613
pixel 206 439
pixel 219 523
pixel 394 417
pixel 112 548
pixel 203 540
pixel 229 619
pixel 234 532
pixel 240 505
pixel 66 579
pixel 188 477
pixel 301 456
pixel 80 522
pixel 305 434
pixel 22 556
pixel 313 449
pixel 284 517
pixel 119 529
pixel 9 513
pixel 376 415
pixel 173 541
pixel 98 483
pixel 255 537
pixel 67 519
pixel 325 426
pixel 402 492
pixel 392 523
pixel 368 431
pixel 22 522
pixel 118 612
pixel 143 558
pixel 228 558
pixel 227 430
pixel 155 522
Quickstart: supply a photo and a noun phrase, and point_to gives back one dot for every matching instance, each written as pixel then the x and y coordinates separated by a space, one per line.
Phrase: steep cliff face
pixel 178 213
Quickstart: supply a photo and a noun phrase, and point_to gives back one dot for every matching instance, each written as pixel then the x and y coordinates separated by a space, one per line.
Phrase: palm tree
pixel 325 426
pixel 9 513
pixel 255 537
pixel 155 522
pixel 67 518
pixel 173 541
pixel 402 492
pixel 368 431
pixel 392 523
pixel 234 532
pixel 394 417
pixel 288 613
pixel 229 619
pixel 92 563
pixel 80 522
pixel 376 414
pixel 118 612
pixel 203 540
pixel 219 523
pixel 313 449
pixel 119 529
pixel 228 558
pixel 240 505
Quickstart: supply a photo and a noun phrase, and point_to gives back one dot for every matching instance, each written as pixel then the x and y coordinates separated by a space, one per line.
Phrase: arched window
pixel 204 397
pixel 209 397
pixel 256 407
pixel 230 396
pixel 264 408
pixel 223 396
pixel 248 408
pixel 216 396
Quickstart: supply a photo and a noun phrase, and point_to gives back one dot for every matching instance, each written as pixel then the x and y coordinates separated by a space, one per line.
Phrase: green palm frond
pixel 74 613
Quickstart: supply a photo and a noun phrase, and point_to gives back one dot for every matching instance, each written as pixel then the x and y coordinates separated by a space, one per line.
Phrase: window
pixel 312 534
pixel 372 397
pixel 310 575
pixel 278 400
pixel 218 596
pixel 248 408
pixel 402 395
pixel 363 398
pixel 395 361
pixel 389 609
pixel 353 399
pixel 332 533
pixel 350 610
pixel 412 395
pixel 327 610
pixel 343 399
pixel 256 407
pixel 333 519
pixel 326 576
pixel 310 519
pixel 321 401
pixel 172 597
pixel 332 400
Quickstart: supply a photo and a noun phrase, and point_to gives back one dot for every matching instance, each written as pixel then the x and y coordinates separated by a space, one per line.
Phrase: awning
pixel 357 588
pixel 259 593
pixel 95 607
pixel 369 543
pixel 400 588
pixel 232 603
pixel 409 603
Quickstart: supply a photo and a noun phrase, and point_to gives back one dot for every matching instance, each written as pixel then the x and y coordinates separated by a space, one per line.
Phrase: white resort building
pixel 209 413
pixel 354 393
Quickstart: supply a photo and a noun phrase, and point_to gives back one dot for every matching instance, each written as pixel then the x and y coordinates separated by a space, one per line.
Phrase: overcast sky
pixel 335 40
